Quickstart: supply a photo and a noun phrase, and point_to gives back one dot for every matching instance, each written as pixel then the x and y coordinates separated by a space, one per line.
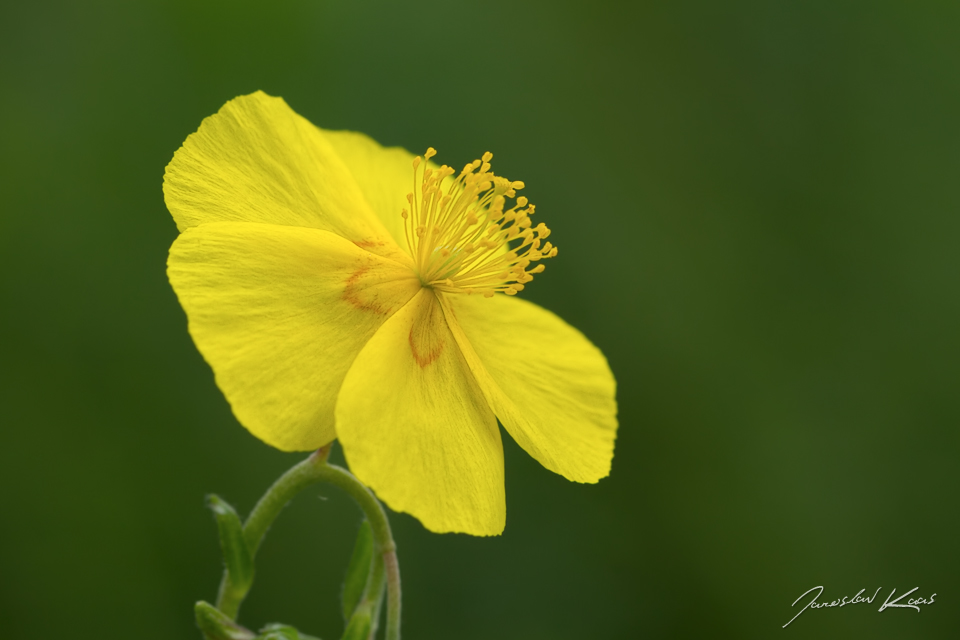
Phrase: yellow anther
pixel 463 235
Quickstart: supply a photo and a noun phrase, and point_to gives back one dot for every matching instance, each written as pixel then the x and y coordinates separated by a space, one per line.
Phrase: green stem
pixel 310 471
pixel 295 480
pixel 393 594
pixel 382 538
pixel 373 593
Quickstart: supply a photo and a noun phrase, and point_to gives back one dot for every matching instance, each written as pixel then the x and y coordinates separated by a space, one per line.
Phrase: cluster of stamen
pixel 462 237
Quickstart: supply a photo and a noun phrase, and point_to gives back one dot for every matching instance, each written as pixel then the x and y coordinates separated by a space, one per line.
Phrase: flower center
pixel 462 238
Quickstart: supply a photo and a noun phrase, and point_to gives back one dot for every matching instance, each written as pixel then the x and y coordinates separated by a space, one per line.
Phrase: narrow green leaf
pixel 236 555
pixel 360 624
pixel 277 631
pixel 358 571
pixel 217 626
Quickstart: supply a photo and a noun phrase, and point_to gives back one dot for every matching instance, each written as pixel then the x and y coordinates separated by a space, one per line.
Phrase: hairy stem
pixel 302 475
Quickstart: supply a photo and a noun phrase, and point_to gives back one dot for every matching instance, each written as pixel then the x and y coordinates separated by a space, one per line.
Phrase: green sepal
pixel 236 554
pixel 358 570
pixel 215 625
pixel 361 622
pixel 277 631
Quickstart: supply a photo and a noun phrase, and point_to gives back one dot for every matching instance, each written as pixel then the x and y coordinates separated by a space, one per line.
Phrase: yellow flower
pixel 331 303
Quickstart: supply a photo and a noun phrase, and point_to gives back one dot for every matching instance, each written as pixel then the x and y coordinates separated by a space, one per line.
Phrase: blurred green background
pixel 757 205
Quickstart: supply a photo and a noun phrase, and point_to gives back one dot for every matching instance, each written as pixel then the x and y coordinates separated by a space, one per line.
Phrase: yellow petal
pixel 279 313
pixel 415 427
pixel 384 174
pixel 256 160
pixel 550 387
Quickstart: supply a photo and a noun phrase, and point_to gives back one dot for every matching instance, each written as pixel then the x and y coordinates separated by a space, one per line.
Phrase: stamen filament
pixel 460 235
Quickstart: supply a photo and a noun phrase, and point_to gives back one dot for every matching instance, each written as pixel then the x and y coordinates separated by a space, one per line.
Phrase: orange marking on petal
pixel 425 338
pixel 366 244
pixel 424 359
pixel 363 297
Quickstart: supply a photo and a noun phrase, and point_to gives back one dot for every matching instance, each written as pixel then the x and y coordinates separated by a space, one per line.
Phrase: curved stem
pixel 382 537
pixel 295 480
pixel 310 471
pixel 372 598
pixel 393 595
